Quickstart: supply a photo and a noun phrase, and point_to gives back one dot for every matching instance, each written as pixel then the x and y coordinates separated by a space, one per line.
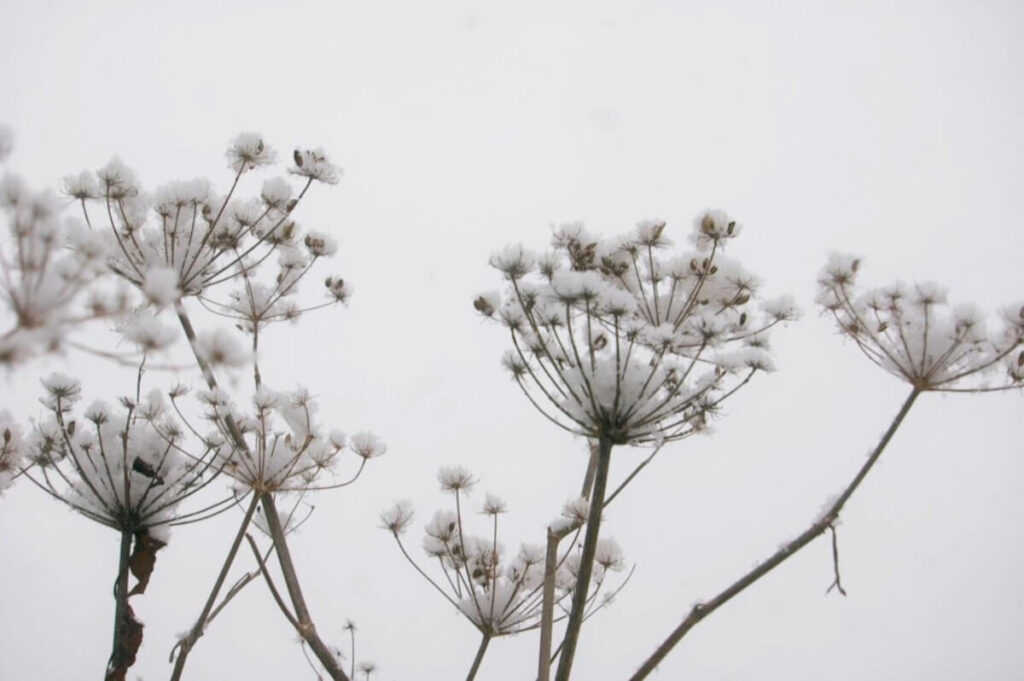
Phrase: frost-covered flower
pixel 397 518
pixel 147 332
pixel 913 333
pixel 499 594
pixel 218 347
pixel 185 239
pixel 49 267
pixel 313 163
pixel 283 447
pixel 10 449
pixel 367 445
pixel 611 338
pixel 127 468
pixel 455 479
pixel 248 151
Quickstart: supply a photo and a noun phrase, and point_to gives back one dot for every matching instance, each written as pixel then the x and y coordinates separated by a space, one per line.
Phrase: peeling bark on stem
pixel 579 596
pixel 828 518
pixel 121 654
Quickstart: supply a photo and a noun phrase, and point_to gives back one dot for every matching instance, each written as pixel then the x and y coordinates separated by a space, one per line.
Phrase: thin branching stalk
pixel 185 645
pixel 306 627
pixel 485 639
pixel 701 610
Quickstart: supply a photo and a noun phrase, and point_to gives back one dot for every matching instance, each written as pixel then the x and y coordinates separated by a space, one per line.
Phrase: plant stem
pixel 547 615
pixel 479 656
pixel 579 595
pixel 118 665
pixel 827 519
pixel 197 629
pixel 306 627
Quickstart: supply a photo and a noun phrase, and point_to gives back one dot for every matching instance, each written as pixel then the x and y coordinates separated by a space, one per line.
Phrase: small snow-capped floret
pixel 512 362
pixel 929 293
pixel 494 505
pixel 277 192
pixel 443 526
pixel 161 286
pixel 98 412
pixel 617 302
pixel 314 165
pixel 512 315
pixel 172 197
pixel 608 554
pixel 712 227
pixel 337 438
pixel 265 399
pixel 247 213
pixel 117 181
pixel 746 358
pixel 320 244
pixel 14 191
pixel 548 264
pixel 11 451
pixel 576 510
pixel 455 479
pixel 569 234
pixel 513 261
pixel 367 445
pixel 86 243
pixel 338 289
pixel 62 387
pixel 651 233
pixel 82 186
pixel 248 151
pixel 221 348
pixel 782 308
pixel 398 518
pixel 147 331
pixel 841 269
pixel 487 303
pixel 572 286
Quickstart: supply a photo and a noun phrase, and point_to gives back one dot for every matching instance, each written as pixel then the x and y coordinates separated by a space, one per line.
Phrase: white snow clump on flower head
pixel 613 339
pixel 10 449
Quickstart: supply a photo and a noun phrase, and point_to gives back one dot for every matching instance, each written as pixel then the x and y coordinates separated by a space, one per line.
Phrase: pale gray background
pixel 891 129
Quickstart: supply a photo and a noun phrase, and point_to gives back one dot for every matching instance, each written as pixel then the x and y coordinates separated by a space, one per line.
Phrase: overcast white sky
pixel 890 129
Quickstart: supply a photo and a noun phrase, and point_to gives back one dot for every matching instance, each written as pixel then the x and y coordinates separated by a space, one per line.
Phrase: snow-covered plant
pixel 126 467
pixel 910 332
pixel 46 267
pixel 185 239
pixel 499 594
pixel 285 450
pixel 617 341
